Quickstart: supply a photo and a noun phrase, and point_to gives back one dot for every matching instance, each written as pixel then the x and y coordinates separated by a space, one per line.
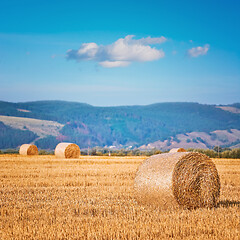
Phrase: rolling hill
pixel 162 125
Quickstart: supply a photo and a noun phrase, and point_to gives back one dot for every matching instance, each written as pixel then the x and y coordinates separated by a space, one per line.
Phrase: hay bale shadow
pixel 228 203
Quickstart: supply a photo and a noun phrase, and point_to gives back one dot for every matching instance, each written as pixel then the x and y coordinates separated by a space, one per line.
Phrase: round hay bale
pixel 67 150
pixel 174 150
pixel 187 179
pixel 28 149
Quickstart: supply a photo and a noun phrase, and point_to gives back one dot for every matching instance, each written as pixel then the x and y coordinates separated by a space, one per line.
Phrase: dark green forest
pixel 11 138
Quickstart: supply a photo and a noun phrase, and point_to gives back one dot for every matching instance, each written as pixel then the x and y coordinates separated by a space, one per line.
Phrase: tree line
pixel 216 152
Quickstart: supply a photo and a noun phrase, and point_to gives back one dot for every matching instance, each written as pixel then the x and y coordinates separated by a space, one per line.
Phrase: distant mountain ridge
pixel 123 126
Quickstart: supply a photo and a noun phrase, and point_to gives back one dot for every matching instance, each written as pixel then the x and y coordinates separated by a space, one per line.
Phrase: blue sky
pixel 109 53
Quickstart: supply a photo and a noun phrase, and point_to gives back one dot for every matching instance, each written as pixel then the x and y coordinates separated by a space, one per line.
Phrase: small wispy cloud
pixel 120 53
pixel 198 51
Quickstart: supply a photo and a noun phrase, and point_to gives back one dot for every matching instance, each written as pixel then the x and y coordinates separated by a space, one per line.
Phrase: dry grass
pixel 42 128
pixel 42 197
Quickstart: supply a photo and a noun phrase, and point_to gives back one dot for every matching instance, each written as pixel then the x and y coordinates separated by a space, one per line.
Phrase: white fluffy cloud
pixel 198 51
pixel 120 53
pixel 112 64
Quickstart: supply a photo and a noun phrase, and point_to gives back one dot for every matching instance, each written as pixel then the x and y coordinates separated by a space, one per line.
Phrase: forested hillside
pixel 91 126
pixel 11 138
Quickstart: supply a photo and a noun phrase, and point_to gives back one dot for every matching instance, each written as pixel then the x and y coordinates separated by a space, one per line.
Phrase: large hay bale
pixel 67 150
pixel 28 149
pixel 189 179
pixel 174 150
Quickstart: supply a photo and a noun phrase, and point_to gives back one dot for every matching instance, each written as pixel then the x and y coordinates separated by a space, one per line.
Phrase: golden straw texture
pixel 195 181
pixel 171 179
pixel 28 149
pixel 67 150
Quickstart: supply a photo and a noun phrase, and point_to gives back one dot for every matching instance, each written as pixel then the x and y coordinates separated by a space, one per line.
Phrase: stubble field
pixel 42 197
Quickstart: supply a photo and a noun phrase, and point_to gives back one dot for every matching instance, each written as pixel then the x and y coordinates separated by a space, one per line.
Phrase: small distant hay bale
pixel 174 150
pixel 67 150
pixel 28 149
pixel 187 179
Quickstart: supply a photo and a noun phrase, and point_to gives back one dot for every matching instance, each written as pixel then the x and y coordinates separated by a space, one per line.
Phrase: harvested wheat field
pixel 42 197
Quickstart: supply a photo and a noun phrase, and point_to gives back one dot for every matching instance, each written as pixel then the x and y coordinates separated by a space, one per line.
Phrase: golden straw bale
pixel 28 149
pixel 174 150
pixel 172 179
pixel 67 150
pixel 195 181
